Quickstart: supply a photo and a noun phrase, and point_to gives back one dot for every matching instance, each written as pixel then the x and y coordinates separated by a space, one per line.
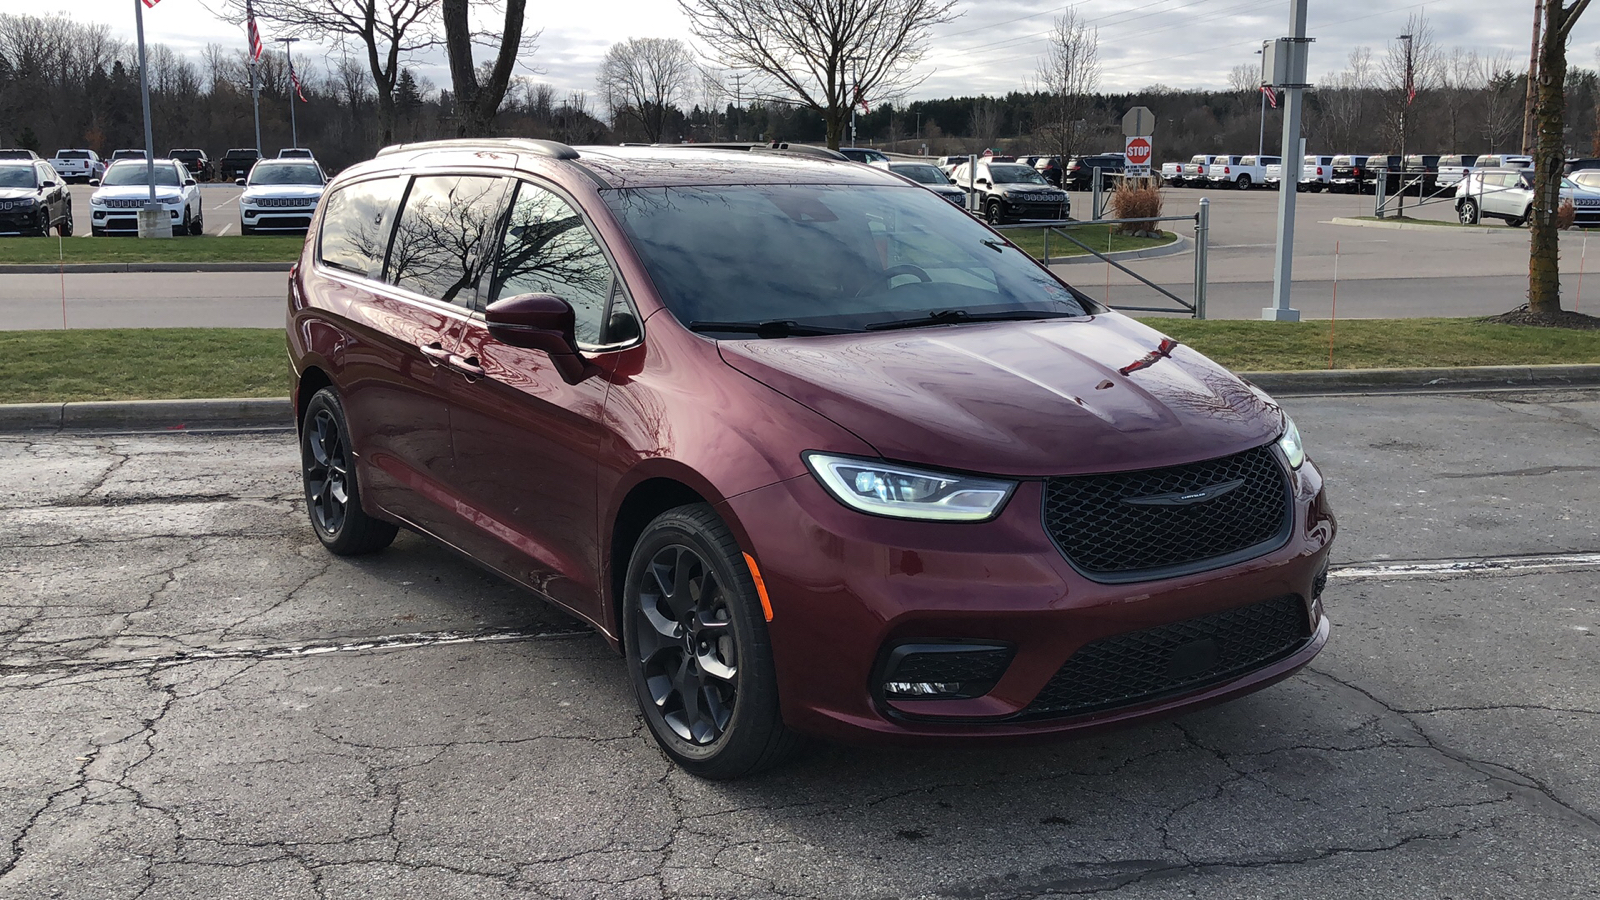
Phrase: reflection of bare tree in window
pixel 356 227
pixel 438 245
pixel 548 250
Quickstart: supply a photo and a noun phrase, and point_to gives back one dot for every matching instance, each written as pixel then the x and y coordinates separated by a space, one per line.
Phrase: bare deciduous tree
pixel 479 98
pixel 388 31
pixel 1496 79
pixel 1068 75
pixel 1410 68
pixel 1244 79
pixel 1342 99
pixel 1544 266
pixel 827 55
pixel 641 78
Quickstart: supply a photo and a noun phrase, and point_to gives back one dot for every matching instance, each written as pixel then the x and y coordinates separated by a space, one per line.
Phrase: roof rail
pixel 761 147
pixel 551 149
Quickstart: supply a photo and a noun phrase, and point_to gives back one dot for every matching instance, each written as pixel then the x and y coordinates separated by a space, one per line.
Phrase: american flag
pixel 295 80
pixel 151 4
pixel 1272 96
pixel 255 33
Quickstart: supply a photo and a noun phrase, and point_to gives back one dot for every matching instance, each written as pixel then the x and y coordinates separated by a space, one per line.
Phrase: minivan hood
pixel 1018 398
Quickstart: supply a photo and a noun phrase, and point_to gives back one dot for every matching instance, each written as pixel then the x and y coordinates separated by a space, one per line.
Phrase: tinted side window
pixel 355 228
pixel 441 243
pixel 548 250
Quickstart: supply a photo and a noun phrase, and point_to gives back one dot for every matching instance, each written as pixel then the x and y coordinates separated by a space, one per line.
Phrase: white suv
pixel 114 208
pixel 1508 194
pixel 280 195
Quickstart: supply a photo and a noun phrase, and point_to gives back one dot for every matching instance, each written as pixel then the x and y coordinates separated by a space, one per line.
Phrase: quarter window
pixel 441 240
pixel 548 250
pixel 355 228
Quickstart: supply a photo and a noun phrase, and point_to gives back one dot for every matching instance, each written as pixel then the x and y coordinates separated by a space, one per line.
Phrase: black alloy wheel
pixel 697 648
pixel 333 497
pixel 993 214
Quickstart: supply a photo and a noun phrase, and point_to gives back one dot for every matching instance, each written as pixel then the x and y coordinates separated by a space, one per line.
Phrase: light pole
pixel 288 53
pixel 1261 137
pixel 1410 92
pixel 150 216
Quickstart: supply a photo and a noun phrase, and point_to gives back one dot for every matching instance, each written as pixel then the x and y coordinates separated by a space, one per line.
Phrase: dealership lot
pixel 221 202
pixel 1382 272
pixel 200 702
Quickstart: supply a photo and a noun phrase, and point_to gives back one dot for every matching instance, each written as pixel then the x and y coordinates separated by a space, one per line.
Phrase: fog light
pixel 943 670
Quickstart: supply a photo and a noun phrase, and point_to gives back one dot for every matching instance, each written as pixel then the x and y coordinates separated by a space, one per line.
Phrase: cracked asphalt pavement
pixel 196 701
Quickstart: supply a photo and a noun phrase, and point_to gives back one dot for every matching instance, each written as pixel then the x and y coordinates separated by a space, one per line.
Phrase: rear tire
pixel 1519 221
pixel 1243 183
pixel 699 656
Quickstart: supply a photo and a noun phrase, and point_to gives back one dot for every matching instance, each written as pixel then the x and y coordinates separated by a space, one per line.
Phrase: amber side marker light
pixel 761 586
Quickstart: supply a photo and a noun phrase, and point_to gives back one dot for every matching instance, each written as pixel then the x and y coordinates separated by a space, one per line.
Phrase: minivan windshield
pixel 835 257
pixel 124 173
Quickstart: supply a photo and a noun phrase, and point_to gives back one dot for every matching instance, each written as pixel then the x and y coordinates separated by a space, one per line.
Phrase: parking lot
pixel 221 201
pixel 200 702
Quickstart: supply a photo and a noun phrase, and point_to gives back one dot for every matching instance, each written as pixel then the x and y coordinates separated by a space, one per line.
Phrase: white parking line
pixel 224 229
pixel 224 204
pixel 1467 567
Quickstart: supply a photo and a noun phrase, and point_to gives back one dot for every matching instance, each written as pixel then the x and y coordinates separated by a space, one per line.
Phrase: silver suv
pixel 1506 193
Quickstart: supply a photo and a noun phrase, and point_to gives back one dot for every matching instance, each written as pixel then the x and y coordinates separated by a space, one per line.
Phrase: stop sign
pixel 1138 151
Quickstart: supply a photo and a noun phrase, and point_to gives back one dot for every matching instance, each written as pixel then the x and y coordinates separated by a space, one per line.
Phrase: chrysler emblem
pixel 1185 498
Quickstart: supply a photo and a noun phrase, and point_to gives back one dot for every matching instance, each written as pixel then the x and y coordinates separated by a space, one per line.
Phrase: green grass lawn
pixel 1096 236
pixel 205 248
pixel 168 363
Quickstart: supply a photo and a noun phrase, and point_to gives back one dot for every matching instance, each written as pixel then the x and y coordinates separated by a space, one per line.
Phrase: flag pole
pixel 294 87
pixel 253 38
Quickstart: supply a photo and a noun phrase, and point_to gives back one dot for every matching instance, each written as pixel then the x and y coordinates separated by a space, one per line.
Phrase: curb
pixel 107 268
pixel 148 415
pixel 1443 380
pixel 1419 226
pixel 1181 245
pixel 276 413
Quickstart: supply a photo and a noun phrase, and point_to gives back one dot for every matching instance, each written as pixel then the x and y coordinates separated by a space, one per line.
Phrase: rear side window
pixel 355 228
pixel 548 250
pixel 441 244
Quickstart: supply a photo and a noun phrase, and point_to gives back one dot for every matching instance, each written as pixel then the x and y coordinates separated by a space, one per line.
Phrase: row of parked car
pixel 1346 172
pixel 279 196
pixel 84 165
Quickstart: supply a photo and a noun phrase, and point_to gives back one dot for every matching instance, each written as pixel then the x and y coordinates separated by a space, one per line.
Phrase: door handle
pixel 435 352
pixel 467 365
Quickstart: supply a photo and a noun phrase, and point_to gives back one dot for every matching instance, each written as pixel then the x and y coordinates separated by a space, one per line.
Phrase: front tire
pixel 65 228
pixel 698 653
pixel 1467 213
pixel 333 493
pixel 993 214
pixel 1243 183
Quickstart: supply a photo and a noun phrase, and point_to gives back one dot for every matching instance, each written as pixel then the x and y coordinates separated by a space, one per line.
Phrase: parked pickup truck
pixel 1454 167
pixel 82 165
pixel 1172 173
pixel 1196 169
pixel 1350 175
pixel 236 163
pixel 1243 172
pixel 1272 171
pixel 1316 174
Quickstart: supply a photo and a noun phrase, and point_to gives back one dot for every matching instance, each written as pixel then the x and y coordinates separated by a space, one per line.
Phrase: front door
pixel 526 442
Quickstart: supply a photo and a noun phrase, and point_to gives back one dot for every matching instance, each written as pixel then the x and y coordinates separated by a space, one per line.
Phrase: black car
pixel 1578 165
pixel 196 161
pixel 33 199
pixel 1050 168
pixel 236 163
pixel 18 153
pixel 1079 171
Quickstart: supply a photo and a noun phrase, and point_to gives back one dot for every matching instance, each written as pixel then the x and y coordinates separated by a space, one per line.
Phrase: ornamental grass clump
pixel 1138 200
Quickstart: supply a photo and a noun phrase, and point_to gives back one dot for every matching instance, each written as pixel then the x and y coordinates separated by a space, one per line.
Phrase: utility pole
pixel 288 54
pixel 738 101
pixel 1530 103
pixel 150 216
pixel 1292 59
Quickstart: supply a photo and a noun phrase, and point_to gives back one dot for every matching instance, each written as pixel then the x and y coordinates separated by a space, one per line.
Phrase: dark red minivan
pixel 818 452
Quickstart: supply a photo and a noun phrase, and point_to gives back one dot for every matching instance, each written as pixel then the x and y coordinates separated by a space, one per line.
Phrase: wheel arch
pixel 311 380
pixel 643 502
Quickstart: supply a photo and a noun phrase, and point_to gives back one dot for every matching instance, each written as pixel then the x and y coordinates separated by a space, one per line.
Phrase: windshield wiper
pixel 957 316
pixel 772 328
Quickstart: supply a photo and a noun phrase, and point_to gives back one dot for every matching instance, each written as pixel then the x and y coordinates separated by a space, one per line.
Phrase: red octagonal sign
pixel 1138 151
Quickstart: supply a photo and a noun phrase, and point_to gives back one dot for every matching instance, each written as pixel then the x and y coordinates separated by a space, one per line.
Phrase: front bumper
pixel 846 588
pixel 276 218
pixel 20 221
pixel 126 221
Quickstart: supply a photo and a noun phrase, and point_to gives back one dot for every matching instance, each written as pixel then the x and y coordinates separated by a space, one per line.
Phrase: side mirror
pixel 47 184
pixel 188 181
pixel 94 182
pixel 984 182
pixel 541 322
pixel 239 182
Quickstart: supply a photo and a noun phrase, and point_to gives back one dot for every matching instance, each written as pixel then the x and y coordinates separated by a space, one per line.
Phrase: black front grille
pixel 1145 665
pixel 1133 526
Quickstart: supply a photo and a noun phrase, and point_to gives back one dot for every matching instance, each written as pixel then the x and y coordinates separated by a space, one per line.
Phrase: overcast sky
pixel 992 48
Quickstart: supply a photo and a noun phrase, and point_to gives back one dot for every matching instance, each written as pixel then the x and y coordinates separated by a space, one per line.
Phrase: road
pixel 197 701
pixel 1381 272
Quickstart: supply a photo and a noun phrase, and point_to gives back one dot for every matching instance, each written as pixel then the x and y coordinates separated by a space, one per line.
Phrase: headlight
pixel 905 493
pixel 1290 444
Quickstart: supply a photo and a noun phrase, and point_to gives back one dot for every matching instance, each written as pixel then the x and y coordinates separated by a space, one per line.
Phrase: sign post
pixel 1284 66
pixel 1137 125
